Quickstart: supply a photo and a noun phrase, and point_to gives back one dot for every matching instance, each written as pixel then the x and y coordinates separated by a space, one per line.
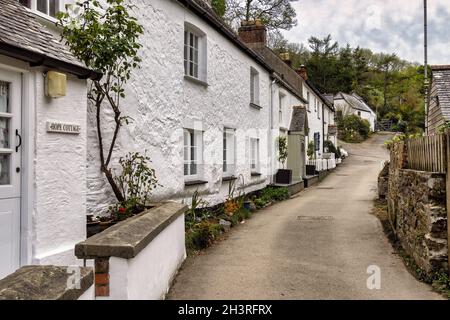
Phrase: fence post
pixel 447 175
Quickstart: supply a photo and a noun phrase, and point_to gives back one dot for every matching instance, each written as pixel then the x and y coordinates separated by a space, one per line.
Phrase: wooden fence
pixel 428 153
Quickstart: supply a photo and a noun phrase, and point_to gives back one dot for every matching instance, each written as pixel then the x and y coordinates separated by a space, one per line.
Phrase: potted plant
pixel 311 168
pixel 284 176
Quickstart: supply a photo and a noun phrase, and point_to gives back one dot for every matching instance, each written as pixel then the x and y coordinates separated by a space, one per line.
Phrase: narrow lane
pixel 316 246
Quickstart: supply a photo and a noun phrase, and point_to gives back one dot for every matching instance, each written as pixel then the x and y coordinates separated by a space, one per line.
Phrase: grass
pixel 440 281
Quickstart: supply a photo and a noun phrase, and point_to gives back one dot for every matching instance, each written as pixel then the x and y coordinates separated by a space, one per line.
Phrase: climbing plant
pixel 105 38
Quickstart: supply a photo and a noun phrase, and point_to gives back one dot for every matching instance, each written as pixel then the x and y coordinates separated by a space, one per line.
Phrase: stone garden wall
pixel 417 207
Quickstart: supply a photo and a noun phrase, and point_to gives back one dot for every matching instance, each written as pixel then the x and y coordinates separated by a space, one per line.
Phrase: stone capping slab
pixel 44 283
pixel 127 238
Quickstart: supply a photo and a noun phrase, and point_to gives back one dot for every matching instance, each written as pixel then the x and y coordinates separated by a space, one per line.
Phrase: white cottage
pixel 348 104
pixel 42 142
pixel 201 104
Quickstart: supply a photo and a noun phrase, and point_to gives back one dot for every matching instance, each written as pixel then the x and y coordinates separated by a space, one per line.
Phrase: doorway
pixel 10 170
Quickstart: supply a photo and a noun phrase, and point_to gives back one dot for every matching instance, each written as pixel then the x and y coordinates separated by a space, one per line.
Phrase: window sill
pixel 228 178
pixel 256 174
pixel 196 81
pixel 255 106
pixel 194 182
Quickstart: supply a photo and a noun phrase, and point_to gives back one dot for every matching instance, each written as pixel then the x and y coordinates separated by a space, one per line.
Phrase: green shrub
pixel 353 129
pixel 201 235
pixel 271 194
pixel 311 150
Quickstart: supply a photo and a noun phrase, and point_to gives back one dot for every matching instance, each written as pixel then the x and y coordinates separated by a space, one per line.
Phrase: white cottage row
pixel 207 105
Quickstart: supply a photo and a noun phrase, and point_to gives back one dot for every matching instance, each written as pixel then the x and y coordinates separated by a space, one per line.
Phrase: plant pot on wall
pixel 310 170
pixel 284 176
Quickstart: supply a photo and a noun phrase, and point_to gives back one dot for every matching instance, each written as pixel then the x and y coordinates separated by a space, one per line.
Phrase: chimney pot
pixel 286 57
pixel 303 72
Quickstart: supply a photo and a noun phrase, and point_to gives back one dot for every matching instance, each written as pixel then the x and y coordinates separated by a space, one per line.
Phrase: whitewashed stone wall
pixel 53 203
pixel 315 124
pixel 281 126
pixel 161 102
pixel 60 175
pixel 329 118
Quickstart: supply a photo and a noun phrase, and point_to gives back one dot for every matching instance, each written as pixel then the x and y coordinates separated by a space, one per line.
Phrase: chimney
pixel 303 72
pixel 253 32
pixel 285 56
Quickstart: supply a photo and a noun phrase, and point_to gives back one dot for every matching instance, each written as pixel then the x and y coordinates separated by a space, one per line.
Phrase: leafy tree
pixel 275 14
pixel 394 88
pixel 322 65
pixel 105 39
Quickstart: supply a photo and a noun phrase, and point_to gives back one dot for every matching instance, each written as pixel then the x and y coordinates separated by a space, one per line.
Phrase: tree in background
pixel 219 7
pixel 394 88
pixel 275 14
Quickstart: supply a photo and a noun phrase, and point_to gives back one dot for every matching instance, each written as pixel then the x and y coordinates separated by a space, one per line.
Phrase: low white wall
pixel 89 294
pixel 148 276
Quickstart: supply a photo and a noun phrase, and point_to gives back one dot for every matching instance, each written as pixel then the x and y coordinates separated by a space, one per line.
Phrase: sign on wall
pixel 332 130
pixel 60 127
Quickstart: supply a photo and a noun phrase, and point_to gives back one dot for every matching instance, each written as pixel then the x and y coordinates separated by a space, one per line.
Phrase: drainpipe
pixel 323 129
pixel 272 94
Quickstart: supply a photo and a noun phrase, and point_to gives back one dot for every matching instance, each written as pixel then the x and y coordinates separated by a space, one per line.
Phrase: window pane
pixel 191 39
pixel 4 96
pixel 193 168
pixel 195 42
pixel 186 169
pixel 26 3
pixel 195 71
pixel 4 169
pixel 41 5
pixel 4 133
pixel 53 8
pixel 195 58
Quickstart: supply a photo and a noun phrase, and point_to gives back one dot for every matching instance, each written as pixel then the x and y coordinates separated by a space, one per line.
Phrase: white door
pixel 10 158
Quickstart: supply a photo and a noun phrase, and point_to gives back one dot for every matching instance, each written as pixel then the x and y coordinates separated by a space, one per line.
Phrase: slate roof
pixel 299 121
pixel 441 81
pixel 354 102
pixel 24 38
pixel 329 97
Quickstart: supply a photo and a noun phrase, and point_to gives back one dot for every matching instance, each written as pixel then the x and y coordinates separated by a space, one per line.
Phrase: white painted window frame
pixel 229 152
pixel 192 153
pixel 59 5
pixel 254 86
pixel 200 49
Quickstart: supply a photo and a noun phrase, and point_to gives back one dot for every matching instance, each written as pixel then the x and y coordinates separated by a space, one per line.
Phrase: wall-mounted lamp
pixel 55 84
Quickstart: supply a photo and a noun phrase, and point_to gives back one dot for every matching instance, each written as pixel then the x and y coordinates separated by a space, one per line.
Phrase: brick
pixel 101 291
pixel 102 265
pixel 102 279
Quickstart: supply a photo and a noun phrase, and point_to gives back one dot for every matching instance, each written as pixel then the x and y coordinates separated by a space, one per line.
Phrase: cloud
pixel 393 26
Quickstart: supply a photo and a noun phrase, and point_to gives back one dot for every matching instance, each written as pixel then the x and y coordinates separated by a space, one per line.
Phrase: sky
pixel 391 26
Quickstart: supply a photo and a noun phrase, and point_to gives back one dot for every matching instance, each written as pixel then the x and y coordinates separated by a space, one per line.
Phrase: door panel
pixel 10 168
pixel 9 236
